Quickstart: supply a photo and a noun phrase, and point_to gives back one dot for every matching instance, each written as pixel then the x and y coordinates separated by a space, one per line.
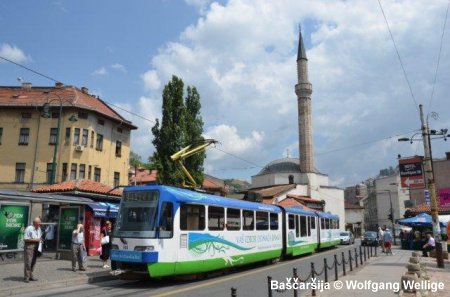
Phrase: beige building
pixel 93 140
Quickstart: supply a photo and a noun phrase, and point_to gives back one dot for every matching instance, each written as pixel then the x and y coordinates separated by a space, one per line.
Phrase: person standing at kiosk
pixel 32 239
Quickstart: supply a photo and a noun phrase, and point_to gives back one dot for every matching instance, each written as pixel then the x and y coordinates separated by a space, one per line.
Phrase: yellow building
pixel 93 140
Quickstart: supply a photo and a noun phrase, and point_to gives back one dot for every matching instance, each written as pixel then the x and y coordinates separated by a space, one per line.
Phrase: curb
pixel 100 277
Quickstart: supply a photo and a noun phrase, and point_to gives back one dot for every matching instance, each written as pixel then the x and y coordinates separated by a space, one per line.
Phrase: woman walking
pixel 106 243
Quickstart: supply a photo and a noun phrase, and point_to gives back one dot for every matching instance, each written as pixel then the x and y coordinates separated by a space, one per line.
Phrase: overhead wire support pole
pixel 432 189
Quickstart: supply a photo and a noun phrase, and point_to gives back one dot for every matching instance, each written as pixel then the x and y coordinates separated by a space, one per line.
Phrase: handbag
pixel 105 240
pixel 84 254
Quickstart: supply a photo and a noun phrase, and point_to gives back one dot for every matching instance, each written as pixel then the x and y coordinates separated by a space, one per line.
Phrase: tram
pixel 166 231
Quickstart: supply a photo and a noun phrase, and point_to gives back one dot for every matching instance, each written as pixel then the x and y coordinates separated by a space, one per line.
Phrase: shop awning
pixel 24 196
pixel 105 210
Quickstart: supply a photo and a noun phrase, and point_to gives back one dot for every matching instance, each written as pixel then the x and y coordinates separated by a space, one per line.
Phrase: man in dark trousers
pixel 32 238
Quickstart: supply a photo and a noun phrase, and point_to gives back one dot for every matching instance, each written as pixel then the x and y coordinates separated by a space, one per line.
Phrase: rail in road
pixel 248 281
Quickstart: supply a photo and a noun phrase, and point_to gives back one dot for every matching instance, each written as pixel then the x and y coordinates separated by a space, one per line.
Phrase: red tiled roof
pixel 273 191
pixel 427 208
pixel 304 198
pixel 81 185
pixel 71 97
pixel 348 205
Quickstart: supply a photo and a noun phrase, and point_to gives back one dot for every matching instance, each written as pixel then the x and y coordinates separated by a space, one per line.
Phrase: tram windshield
pixel 137 215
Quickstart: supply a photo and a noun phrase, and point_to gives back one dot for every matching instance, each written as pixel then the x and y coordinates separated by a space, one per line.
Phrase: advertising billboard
pixel 444 197
pixel 411 173
pixel 13 221
pixel 68 220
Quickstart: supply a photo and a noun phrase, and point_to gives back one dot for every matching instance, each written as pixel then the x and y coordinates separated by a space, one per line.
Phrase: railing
pixel 354 259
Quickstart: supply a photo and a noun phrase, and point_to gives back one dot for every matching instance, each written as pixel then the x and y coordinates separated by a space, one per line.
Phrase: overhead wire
pixel 398 56
pixel 439 56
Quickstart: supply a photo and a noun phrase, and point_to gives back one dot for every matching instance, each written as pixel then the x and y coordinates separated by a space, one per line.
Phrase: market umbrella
pixel 421 220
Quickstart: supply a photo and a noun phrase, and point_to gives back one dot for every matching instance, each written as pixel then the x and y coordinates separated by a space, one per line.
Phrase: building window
pixel 82 115
pixel 24 136
pixel 99 145
pixel 76 136
pixel 82 172
pixel 100 122
pixel 119 129
pixel 92 139
pixel 73 171
pixel 26 115
pixel 53 135
pixel 116 179
pixel 67 137
pixel 118 148
pixel 20 172
pixel 1 135
pixel 291 179
pixel 49 172
pixel 84 139
pixel 97 174
pixel 89 172
pixel 64 172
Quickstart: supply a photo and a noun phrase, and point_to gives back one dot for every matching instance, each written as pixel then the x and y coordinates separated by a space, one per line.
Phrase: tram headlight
pixel 148 248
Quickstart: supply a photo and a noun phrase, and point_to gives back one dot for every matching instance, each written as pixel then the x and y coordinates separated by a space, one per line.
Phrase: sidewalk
pixel 50 273
pixel 380 269
pixel 438 275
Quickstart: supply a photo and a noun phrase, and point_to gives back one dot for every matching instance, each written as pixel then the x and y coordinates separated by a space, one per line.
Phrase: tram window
pixel 297 227
pixel 337 224
pixel 216 218
pixel 233 219
pixel 273 221
pixel 291 221
pixel 312 222
pixel 327 223
pixel 303 226
pixel 192 217
pixel 308 221
pixel 166 220
pixel 262 220
pixel 249 219
pixel 322 223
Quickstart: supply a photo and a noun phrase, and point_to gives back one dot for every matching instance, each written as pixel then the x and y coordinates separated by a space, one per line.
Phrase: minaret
pixel 303 89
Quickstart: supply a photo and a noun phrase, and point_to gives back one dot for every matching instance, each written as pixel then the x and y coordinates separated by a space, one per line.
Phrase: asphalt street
pixel 248 281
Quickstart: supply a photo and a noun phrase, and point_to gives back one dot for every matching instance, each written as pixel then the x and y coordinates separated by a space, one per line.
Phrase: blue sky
pixel 240 54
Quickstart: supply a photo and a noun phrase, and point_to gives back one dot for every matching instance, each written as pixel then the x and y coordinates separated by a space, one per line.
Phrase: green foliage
pixel 181 126
pixel 135 160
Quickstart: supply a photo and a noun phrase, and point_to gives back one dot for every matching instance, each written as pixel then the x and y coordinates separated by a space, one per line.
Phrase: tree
pixel 135 160
pixel 181 125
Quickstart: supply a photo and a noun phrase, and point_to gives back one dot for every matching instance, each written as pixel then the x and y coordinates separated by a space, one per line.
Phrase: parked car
pixel 347 237
pixel 370 238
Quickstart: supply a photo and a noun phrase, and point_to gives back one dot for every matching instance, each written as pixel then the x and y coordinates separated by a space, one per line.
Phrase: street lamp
pixel 47 114
pixel 391 213
pixel 428 160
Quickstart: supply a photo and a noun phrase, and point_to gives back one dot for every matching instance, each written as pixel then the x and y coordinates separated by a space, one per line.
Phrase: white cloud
pixel 100 71
pixel 119 67
pixel 13 53
pixel 151 80
pixel 241 57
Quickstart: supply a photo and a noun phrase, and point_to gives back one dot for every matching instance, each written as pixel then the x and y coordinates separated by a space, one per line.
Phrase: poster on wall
pixel 68 220
pixel 444 197
pixel 13 221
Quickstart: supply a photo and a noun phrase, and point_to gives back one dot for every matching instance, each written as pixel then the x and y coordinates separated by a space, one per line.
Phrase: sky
pixel 241 56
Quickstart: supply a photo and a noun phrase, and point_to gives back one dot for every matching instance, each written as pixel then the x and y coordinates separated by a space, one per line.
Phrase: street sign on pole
pixel 426 193
pixel 411 173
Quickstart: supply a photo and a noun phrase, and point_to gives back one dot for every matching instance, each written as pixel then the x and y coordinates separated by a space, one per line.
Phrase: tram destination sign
pixel 411 173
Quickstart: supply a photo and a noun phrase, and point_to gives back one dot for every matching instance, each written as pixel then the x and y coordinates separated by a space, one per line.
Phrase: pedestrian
pixel 32 239
pixel 106 243
pixel 387 238
pixel 78 248
pixel 381 239
pixel 429 246
pixel 49 236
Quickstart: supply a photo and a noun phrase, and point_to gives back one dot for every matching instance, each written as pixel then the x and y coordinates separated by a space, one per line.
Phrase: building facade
pixel 92 142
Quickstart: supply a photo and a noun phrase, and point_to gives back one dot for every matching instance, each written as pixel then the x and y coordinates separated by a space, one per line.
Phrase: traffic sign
pixel 427 197
pixel 411 173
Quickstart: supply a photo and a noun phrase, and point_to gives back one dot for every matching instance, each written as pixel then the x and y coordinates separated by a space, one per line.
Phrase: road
pixel 249 281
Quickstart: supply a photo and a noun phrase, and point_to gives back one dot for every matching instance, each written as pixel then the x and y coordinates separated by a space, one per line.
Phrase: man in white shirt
pixel 429 246
pixel 78 248
pixel 32 238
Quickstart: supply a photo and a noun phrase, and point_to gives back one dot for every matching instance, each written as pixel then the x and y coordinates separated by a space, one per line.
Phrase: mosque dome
pixel 284 165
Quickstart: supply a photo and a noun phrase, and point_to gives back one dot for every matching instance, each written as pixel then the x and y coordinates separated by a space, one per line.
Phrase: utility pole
pixel 432 189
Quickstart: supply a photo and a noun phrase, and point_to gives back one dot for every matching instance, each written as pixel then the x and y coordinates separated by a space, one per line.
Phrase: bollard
pixel 294 273
pixel 343 263
pixel 360 256
pixel 365 259
pixel 269 280
pixel 376 248
pixel 313 275
pixel 335 268
pixel 350 259
pixel 233 292
pixel 371 251
pixel 325 268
